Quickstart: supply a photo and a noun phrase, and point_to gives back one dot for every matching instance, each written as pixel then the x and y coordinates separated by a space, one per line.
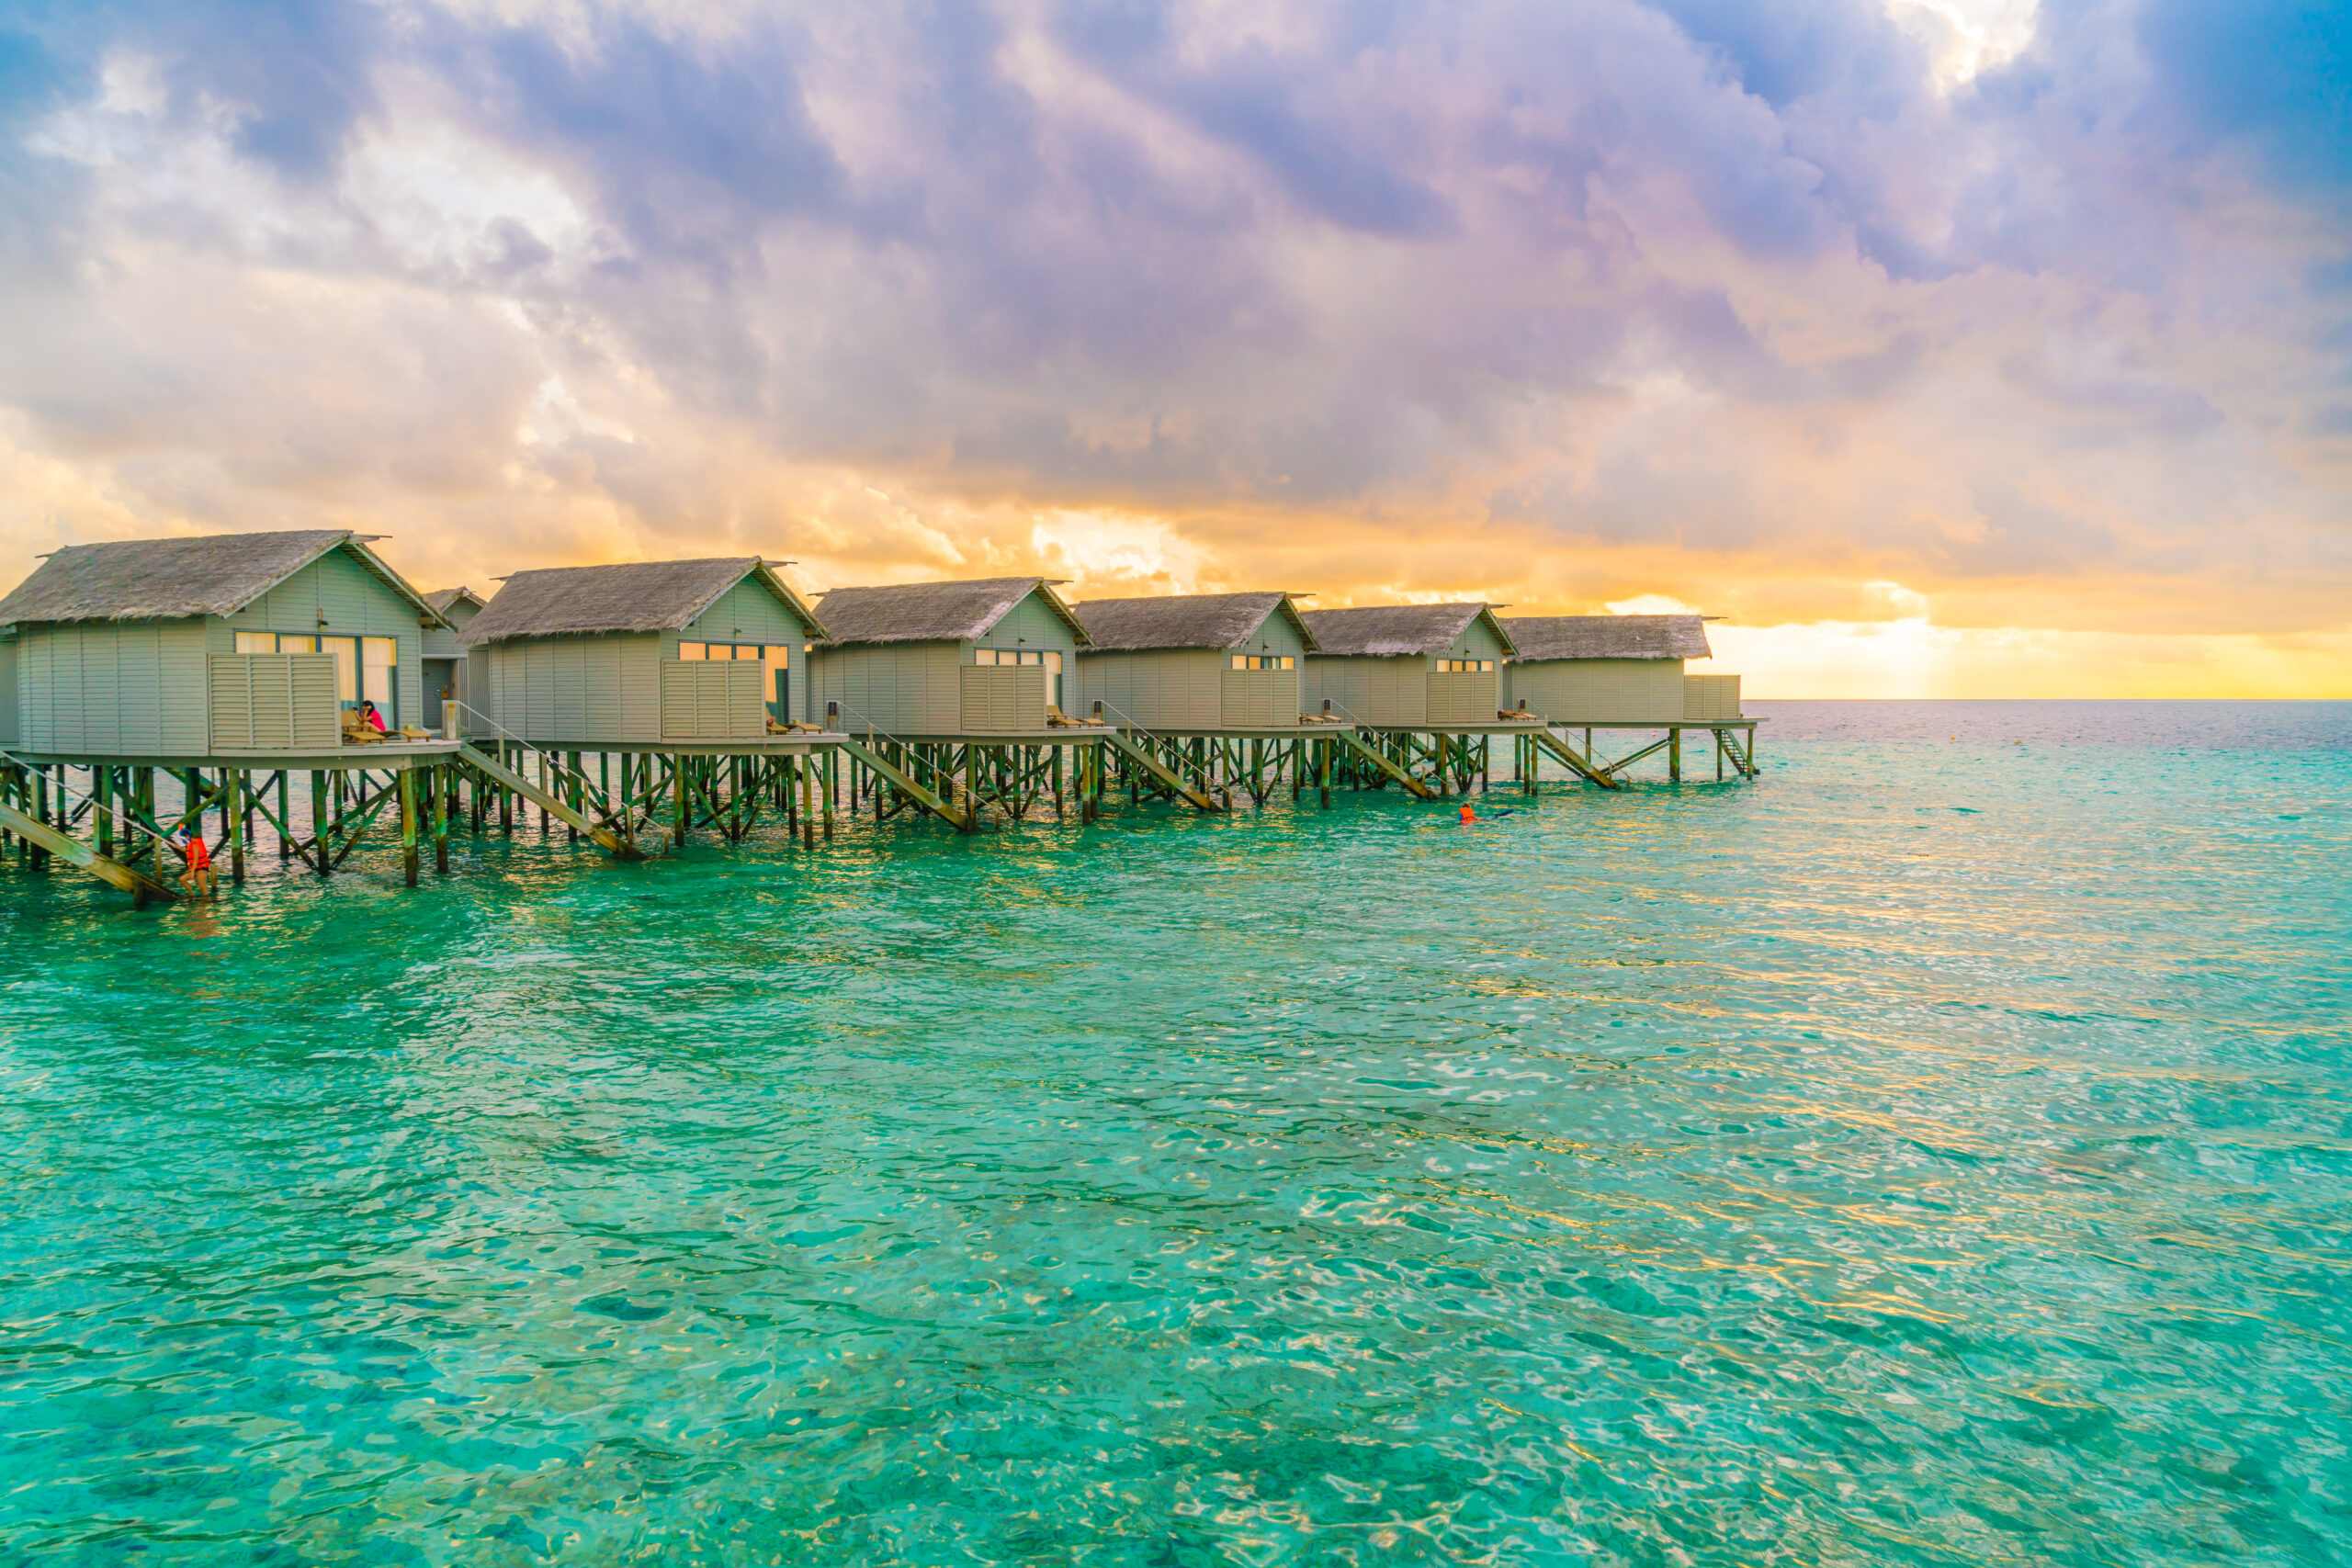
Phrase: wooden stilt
pixel 320 858
pixel 443 780
pixel 407 782
pixel 232 805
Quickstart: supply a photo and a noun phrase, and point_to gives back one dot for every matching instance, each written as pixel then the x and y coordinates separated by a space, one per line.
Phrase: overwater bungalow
pixel 171 650
pixel 943 660
pixel 1195 663
pixel 1615 671
pixel 225 663
pixel 1409 666
pixel 642 655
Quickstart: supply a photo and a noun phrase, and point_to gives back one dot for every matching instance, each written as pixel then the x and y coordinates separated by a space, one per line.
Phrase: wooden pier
pixel 290 695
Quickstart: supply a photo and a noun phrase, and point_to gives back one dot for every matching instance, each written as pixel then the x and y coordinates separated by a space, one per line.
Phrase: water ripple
pixel 1935 1154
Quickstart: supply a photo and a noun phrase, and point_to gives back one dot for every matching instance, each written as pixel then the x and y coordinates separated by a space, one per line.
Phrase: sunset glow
pixel 1940 347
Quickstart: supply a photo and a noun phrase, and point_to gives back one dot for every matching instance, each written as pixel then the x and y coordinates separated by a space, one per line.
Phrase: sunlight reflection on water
pixel 1930 1153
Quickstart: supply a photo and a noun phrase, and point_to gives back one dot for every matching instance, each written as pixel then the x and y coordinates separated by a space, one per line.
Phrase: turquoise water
pixel 1939 1152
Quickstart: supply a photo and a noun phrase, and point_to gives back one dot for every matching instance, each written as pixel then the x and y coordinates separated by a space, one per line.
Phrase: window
pixel 289 643
pixel 377 655
pixel 1466 665
pixel 693 652
pixel 346 668
pixel 1053 677
pixel 984 656
pixel 256 642
pixel 1261 661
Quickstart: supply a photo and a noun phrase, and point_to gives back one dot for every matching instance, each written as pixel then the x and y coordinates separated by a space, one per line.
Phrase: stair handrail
pixel 874 730
pixel 554 762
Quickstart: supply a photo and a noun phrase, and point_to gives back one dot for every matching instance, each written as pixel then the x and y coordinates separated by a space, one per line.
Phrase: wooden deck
pixel 390 756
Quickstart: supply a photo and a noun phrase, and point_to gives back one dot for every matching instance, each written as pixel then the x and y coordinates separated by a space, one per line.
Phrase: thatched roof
pixel 441 599
pixel 635 596
pixel 1609 636
pixel 934 612
pixel 207 574
pixel 1395 630
pixel 1188 620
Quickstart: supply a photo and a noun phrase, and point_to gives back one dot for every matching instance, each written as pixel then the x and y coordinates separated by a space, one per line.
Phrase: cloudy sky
pixel 1942 346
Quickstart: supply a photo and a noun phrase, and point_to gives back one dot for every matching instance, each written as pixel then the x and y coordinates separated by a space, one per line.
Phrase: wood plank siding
pixel 893 688
pixel 114 688
pixel 1464 697
pixel 261 701
pixel 1383 691
pixel 1710 697
pixel 576 691
pixel 1600 691
pixel 1173 689
pixel 1252 699
pixel 712 702
pixel 7 691
pixel 1002 699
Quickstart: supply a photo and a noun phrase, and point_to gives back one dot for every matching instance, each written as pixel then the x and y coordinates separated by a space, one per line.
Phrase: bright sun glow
pixel 1968 36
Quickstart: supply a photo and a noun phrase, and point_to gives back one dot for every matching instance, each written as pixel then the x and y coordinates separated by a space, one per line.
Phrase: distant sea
pixel 1937 1151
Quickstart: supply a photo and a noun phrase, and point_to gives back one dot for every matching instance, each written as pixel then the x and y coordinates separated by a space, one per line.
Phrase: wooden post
pixel 678 783
pixel 101 780
pixel 319 821
pixel 443 780
pixel 1674 755
pixel 40 814
pixel 805 767
pixel 234 803
pixel 831 771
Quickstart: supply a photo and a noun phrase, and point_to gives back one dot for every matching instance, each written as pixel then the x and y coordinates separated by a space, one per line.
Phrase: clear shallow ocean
pixel 1937 1152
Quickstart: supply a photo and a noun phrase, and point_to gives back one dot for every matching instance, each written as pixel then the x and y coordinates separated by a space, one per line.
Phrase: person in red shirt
pixel 376 720
pixel 197 877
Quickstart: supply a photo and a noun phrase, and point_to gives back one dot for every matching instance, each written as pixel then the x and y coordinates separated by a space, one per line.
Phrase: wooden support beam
pixel 929 801
pixel 1620 766
pixel 407 782
pixel 49 840
pixel 499 773
pixel 319 822
pixel 1143 759
pixel 1567 753
pixel 233 808
pixel 1387 765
